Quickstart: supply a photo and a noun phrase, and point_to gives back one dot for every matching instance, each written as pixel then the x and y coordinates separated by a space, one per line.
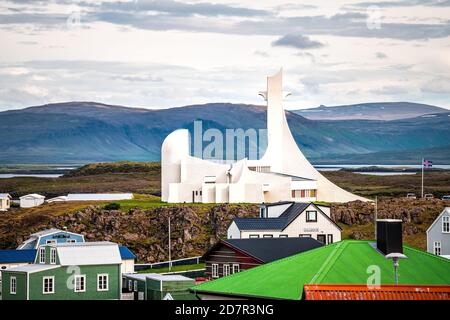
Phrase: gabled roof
pixel 87 253
pixel 268 249
pixel 5 195
pixel 281 222
pixel 17 256
pixel 446 210
pixel 33 195
pixel 126 253
pixel 344 262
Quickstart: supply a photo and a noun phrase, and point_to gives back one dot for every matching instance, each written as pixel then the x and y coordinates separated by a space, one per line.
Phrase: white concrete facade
pixel 282 174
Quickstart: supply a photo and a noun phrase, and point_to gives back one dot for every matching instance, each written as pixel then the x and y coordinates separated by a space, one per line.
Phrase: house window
pixel 48 285
pixel 311 216
pixel 135 285
pixel 304 235
pixel 42 255
pixel 53 256
pixel 50 241
pixel 130 285
pixel 446 224
pixel 268 236
pixel 71 241
pixel 226 270
pixel 330 238
pixel 80 283
pixel 283 235
pixel 102 282
pixel 313 193
pixel 215 270
pixel 302 193
pixel 235 267
pixel 253 236
pixel 437 248
pixel 262 212
pixel 13 285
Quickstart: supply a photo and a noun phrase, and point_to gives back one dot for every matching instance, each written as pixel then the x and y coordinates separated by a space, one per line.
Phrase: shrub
pixel 112 206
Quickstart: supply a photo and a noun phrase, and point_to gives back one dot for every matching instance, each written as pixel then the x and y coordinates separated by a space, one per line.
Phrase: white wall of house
pixel 298 227
pixel 30 201
pixel 323 226
pixel 438 235
pixel 127 266
pixel 233 231
pixel 5 204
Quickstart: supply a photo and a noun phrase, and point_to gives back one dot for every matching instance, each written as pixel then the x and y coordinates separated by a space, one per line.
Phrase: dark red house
pixel 233 255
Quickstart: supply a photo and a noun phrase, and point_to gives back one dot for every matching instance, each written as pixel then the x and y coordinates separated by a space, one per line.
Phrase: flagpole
pixel 422 176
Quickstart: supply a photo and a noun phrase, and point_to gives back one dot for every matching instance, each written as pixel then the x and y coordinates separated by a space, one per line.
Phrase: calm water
pixel 337 167
pixel 12 175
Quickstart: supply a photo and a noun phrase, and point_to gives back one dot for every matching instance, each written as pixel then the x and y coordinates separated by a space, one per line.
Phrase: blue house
pixel 50 236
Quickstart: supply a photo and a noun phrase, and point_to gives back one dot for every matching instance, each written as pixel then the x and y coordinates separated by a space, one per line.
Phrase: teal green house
pixel 67 271
pixel 153 286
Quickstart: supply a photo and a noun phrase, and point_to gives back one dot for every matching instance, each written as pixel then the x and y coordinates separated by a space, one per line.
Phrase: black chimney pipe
pixel 389 236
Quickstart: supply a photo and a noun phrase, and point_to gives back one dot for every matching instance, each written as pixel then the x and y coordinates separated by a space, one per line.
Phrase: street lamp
pixel 395 258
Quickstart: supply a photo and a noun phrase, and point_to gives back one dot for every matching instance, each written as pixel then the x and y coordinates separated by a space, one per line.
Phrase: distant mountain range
pixel 370 111
pixel 82 132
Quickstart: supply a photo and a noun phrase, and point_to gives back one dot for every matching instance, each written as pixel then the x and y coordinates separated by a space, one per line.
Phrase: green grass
pixel 174 268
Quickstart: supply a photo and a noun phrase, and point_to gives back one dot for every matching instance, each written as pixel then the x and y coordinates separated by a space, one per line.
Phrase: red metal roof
pixel 383 292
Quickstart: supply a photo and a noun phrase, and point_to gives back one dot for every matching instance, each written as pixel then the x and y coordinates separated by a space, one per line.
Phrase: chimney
pixel 389 236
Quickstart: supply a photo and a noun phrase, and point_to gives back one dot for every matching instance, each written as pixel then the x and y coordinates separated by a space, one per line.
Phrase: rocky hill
pixel 196 227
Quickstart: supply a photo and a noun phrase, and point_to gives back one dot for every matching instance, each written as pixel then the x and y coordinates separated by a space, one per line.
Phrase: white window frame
pixel 42 255
pixel 135 287
pixel 437 245
pixel 13 285
pixel 130 285
pixel 52 255
pixel 308 212
pixel 283 236
pixel 76 277
pixel 105 283
pixel 236 268
pixel 52 278
pixel 445 224
pixel 226 270
pixel 253 236
pixel 215 270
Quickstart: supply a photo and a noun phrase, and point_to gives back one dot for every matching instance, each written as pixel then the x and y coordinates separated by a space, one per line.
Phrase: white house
pixel 99 196
pixel 288 219
pixel 31 200
pixel 281 174
pixel 5 201
pixel 438 235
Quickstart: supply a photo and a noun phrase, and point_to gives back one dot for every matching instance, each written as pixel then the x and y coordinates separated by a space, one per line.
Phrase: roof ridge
pixel 326 266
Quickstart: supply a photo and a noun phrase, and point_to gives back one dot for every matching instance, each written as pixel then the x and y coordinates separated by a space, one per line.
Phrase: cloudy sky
pixel 170 53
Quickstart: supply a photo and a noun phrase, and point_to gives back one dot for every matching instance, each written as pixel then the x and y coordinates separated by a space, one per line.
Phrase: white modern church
pixel 281 174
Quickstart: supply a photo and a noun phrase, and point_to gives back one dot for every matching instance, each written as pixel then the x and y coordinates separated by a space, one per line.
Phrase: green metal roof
pixel 344 262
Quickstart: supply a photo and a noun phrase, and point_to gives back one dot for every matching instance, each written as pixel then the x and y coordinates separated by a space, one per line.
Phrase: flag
pixel 427 164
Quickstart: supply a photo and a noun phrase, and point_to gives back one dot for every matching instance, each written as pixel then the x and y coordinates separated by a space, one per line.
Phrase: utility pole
pixel 170 253
pixel 422 176
pixel 375 218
